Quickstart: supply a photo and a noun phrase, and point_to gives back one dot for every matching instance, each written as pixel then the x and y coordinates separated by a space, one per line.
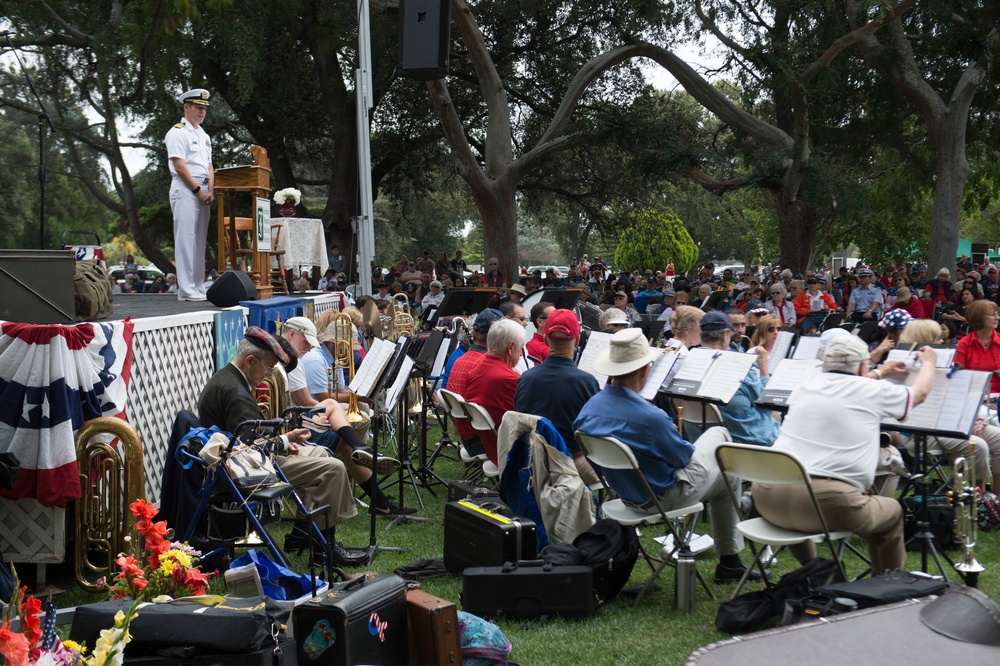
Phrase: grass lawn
pixel 653 633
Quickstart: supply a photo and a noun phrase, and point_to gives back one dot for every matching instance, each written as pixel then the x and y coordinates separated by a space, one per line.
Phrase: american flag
pixel 828 267
pixel 52 379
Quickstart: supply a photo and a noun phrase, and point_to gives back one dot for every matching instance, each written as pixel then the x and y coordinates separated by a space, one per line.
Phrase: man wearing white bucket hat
pixel 679 472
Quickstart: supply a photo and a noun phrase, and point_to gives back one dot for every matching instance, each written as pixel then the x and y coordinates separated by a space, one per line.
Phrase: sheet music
pixel 712 374
pixel 597 343
pixel 372 367
pixel 791 375
pixel 661 368
pixel 398 386
pixel 724 378
pixel 945 357
pixel 952 405
pixel 441 359
pixel 780 350
pixel 696 365
pixel 807 348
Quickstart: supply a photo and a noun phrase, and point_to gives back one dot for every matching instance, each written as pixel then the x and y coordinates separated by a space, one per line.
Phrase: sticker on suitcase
pixel 319 640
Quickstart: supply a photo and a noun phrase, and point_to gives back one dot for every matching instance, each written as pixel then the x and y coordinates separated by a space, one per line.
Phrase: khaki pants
pixel 320 479
pixel 876 519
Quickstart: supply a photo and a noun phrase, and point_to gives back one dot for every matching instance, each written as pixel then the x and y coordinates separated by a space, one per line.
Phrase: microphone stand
pixel 43 122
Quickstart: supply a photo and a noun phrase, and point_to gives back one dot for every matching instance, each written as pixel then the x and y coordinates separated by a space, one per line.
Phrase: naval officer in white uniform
pixel 189 153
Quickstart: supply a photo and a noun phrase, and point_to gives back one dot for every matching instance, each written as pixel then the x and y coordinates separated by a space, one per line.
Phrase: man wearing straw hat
pixel 679 472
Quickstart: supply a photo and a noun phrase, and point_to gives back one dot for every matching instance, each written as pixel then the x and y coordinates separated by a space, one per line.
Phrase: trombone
pixel 402 320
pixel 343 359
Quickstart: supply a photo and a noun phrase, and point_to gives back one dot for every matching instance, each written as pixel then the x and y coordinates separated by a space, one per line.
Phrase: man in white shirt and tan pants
pixel 189 153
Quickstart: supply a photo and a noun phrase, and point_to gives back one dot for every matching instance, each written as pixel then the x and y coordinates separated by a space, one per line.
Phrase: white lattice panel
pixel 172 361
pixel 31 532
pixel 326 302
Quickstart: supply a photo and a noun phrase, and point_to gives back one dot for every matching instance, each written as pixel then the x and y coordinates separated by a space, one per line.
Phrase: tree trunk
pixel 497 207
pixel 796 233
pixel 951 173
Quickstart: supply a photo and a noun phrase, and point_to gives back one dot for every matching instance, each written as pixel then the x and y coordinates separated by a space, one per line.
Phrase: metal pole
pixel 363 96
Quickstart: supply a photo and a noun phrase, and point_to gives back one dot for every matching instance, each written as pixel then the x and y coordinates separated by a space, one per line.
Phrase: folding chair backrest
pixel 759 464
pixel 607 452
pixel 695 411
pixel 456 405
pixel 445 407
pixel 479 417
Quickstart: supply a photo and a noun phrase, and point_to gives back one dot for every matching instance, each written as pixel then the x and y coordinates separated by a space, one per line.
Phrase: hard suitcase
pixel 460 490
pixel 359 621
pixel 529 590
pixel 477 536
pixel 433 624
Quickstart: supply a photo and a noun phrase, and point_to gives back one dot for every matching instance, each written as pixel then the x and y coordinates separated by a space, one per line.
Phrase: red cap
pixel 562 324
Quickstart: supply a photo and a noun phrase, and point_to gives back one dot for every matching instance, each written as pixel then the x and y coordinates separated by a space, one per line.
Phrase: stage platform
pixel 176 347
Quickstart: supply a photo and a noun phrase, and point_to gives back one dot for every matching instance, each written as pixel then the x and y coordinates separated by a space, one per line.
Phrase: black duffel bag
pixel 235 625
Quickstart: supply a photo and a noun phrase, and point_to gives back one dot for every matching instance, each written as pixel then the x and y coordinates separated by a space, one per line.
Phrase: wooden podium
pixel 255 179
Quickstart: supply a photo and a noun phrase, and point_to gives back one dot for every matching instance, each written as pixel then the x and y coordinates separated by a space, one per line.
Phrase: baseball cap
pixel 562 324
pixel 486 318
pixel 716 321
pixel 846 349
pixel 305 327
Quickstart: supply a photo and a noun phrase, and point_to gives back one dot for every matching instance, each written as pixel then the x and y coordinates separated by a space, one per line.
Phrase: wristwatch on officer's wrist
pixel 196 189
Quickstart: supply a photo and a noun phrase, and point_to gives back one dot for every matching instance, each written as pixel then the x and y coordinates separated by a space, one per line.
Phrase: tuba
pixel 963 499
pixel 272 395
pixel 111 478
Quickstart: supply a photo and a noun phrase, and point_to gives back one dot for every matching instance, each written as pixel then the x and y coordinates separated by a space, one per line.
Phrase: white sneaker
pixel 196 297
pixel 768 558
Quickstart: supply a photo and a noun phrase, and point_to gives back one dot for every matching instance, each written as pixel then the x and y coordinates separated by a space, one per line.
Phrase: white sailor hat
pixel 194 96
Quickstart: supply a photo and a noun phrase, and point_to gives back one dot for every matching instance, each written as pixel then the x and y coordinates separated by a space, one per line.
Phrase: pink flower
pixel 13 646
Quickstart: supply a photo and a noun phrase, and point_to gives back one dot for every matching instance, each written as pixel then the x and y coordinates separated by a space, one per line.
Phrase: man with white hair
pixel 832 426
pixel 679 472
pixel 492 383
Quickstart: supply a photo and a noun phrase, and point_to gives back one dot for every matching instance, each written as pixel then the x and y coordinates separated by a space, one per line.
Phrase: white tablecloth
pixel 303 241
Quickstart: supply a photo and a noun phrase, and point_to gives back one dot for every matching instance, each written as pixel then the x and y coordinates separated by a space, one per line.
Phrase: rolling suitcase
pixel 529 590
pixel 476 535
pixel 433 624
pixel 359 621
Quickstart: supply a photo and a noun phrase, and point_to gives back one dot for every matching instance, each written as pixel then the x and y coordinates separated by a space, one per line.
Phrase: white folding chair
pixel 610 453
pixel 483 422
pixel 696 417
pixel 764 465
pixel 475 464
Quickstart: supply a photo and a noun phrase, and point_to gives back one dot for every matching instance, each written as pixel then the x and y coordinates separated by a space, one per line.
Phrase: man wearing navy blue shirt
pixel 679 472
pixel 557 389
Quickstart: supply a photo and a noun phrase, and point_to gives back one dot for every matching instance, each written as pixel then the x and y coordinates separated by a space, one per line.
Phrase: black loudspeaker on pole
pixel 424 38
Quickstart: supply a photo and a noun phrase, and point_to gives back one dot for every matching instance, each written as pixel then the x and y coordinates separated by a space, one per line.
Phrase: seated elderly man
pixel 746 422
pixel 679 472
pixel 832 426
pixel 492 382
pixel 227 400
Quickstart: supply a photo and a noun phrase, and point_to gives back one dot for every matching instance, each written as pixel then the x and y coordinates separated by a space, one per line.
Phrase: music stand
pixel 651 329
pixel 948 413
pixel 564 299
pixel 701 379
pixel 715 300
pixel 462 301
pixel 371 388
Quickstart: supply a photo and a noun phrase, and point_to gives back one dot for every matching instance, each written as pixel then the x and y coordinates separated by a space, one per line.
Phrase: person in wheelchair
pixel 227 400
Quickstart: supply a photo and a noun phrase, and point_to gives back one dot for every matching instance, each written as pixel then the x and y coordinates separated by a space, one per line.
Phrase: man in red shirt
pixel 536 346
pixel 492 383
pixel 459 375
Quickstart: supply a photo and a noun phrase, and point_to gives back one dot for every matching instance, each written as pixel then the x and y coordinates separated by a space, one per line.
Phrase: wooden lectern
pixel 255 179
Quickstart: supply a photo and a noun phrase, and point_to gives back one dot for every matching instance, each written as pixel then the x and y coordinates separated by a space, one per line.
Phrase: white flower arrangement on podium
pixel 288 194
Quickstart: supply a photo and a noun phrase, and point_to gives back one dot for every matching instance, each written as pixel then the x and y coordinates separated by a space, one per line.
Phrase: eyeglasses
pixel 522 318
pixel 777 293
pixel 773 329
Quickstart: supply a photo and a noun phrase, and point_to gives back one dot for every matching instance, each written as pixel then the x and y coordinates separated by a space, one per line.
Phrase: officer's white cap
pixel 195 96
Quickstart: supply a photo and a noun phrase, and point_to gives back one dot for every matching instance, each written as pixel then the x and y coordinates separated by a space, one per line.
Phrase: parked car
pixel 146 273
